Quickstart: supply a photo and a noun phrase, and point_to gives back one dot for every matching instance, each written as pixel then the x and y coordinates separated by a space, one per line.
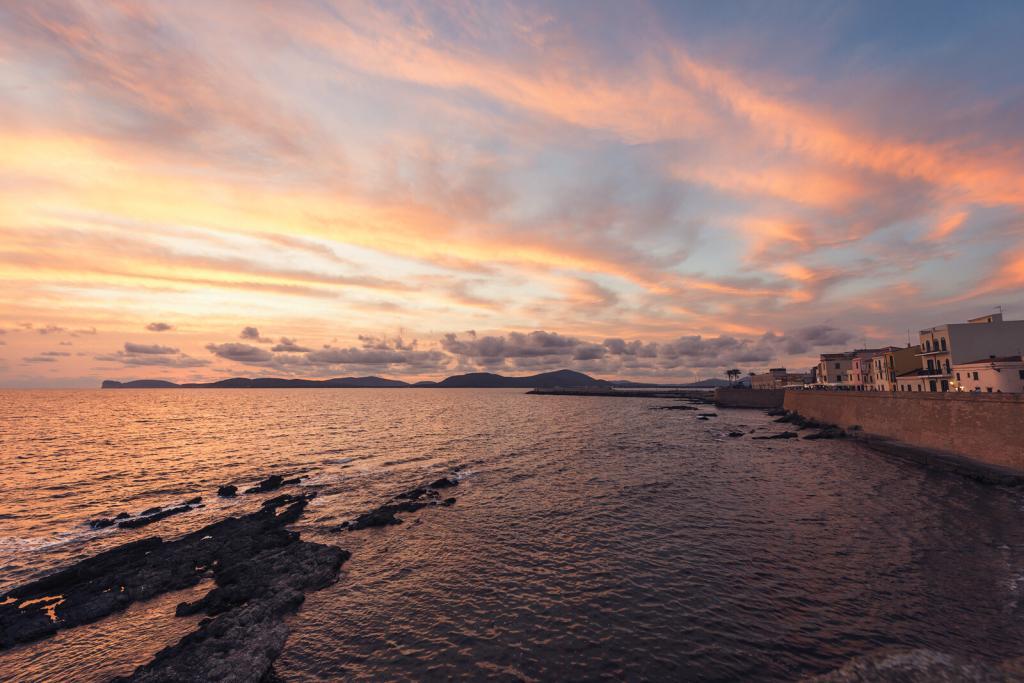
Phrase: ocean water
pixel 592 538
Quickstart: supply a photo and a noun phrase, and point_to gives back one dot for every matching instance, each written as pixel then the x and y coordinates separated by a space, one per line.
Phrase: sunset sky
pixel 199 190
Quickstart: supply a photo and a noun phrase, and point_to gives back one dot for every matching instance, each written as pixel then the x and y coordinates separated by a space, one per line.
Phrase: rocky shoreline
pixel 261 572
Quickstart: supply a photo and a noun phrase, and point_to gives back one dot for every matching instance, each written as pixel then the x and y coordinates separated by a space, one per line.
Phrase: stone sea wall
pixel 729 397
pixel 988 428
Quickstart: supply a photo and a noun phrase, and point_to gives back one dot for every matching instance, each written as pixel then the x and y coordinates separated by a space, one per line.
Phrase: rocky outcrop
pixel 922 666
pixel 780 435
pixel 407 501
pixel 257 565
pixel 272 483
pixel 828 432
pixel 227 491
pixel 146 517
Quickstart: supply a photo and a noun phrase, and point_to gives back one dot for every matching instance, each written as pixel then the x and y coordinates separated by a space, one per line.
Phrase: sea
pixel 593 537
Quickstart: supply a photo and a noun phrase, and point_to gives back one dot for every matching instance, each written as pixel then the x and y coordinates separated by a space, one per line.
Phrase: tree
pixel 732 375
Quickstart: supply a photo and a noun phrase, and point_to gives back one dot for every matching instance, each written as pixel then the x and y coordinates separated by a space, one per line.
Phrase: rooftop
pixel 994 359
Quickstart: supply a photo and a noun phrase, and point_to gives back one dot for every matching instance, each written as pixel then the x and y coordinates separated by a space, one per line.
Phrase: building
pixel 946 346
pixel 892 362
pixel 777 378
pixel 833 368
pixel 860 376
pixel 911 380
pixel 999 375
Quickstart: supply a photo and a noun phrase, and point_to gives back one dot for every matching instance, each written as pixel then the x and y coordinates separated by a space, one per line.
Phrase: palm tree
pixel 732 375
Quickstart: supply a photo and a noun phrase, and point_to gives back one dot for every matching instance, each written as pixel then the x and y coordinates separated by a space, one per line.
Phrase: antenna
pixel 908 337
pixel 999 309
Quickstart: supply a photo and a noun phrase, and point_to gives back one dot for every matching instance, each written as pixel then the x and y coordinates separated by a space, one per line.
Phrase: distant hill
pixel 262 383
pixel 474 380
pixel 139 384
pixel 545 380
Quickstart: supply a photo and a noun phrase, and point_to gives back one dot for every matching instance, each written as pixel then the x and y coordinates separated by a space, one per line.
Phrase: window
pixel 958 377
pixel 931 366
pixel 837 366
pixel 975 376
pixel 1021 373
pixel 988 389
pixel 943 342
pixel 927 345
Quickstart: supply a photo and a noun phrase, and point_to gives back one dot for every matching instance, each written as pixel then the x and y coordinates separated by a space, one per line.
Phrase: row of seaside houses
pixel 982 355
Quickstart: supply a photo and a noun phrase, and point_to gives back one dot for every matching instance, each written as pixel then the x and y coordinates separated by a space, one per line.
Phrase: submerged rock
pixel 709 414
pixel 156 514
pixel 227 491
pixel 272 483
pixel 408 501
pixel 829 432
pixel 735 435
pixel 674 407
pixel 780 435
pixel 101 523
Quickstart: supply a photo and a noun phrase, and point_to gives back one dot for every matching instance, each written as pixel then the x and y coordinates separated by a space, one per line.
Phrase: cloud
pixel 159 327
pixel 491 350
pixel 39 359
pixel 151 355
pixel 241 353
pixel 805 338
pixel 149 349
pixel 55 354
pixel 286 345
pixel 252 334
pixel 50 329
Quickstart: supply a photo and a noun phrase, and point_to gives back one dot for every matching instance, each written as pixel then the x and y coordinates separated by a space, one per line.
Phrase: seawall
pixel 728 397
pixel 988 428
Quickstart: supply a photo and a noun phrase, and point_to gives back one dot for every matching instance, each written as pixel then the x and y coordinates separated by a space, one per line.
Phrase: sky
pixel 198 190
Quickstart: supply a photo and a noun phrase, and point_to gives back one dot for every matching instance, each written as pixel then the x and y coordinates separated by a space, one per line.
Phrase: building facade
pixel 832 369
pixel 945 346
pixel 778 378
pixel 994 375
pixel 892 362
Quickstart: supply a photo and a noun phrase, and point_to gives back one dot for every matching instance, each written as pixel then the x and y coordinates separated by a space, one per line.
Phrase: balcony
pixel 931 353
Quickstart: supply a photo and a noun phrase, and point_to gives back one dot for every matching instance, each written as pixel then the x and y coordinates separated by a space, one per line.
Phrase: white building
pixel 994 375
pixel 946 346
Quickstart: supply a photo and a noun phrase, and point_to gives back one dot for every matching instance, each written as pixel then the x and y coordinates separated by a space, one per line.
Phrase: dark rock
pixel 443 483
pixel 151 511
pixel 194 501
pixel 261 572
pixel 385 515
pixel 675 407
pixel 122 515
pixel 776 412
pixel 147 519
pixel 227 491
pixel 272 483
pixel 780 435
pixel 288 499
pixel 703 418
pixel 414 494
pixel 709 414
pixel 447 502
pixel 101 523
pixel 735 435
pixel 830 432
